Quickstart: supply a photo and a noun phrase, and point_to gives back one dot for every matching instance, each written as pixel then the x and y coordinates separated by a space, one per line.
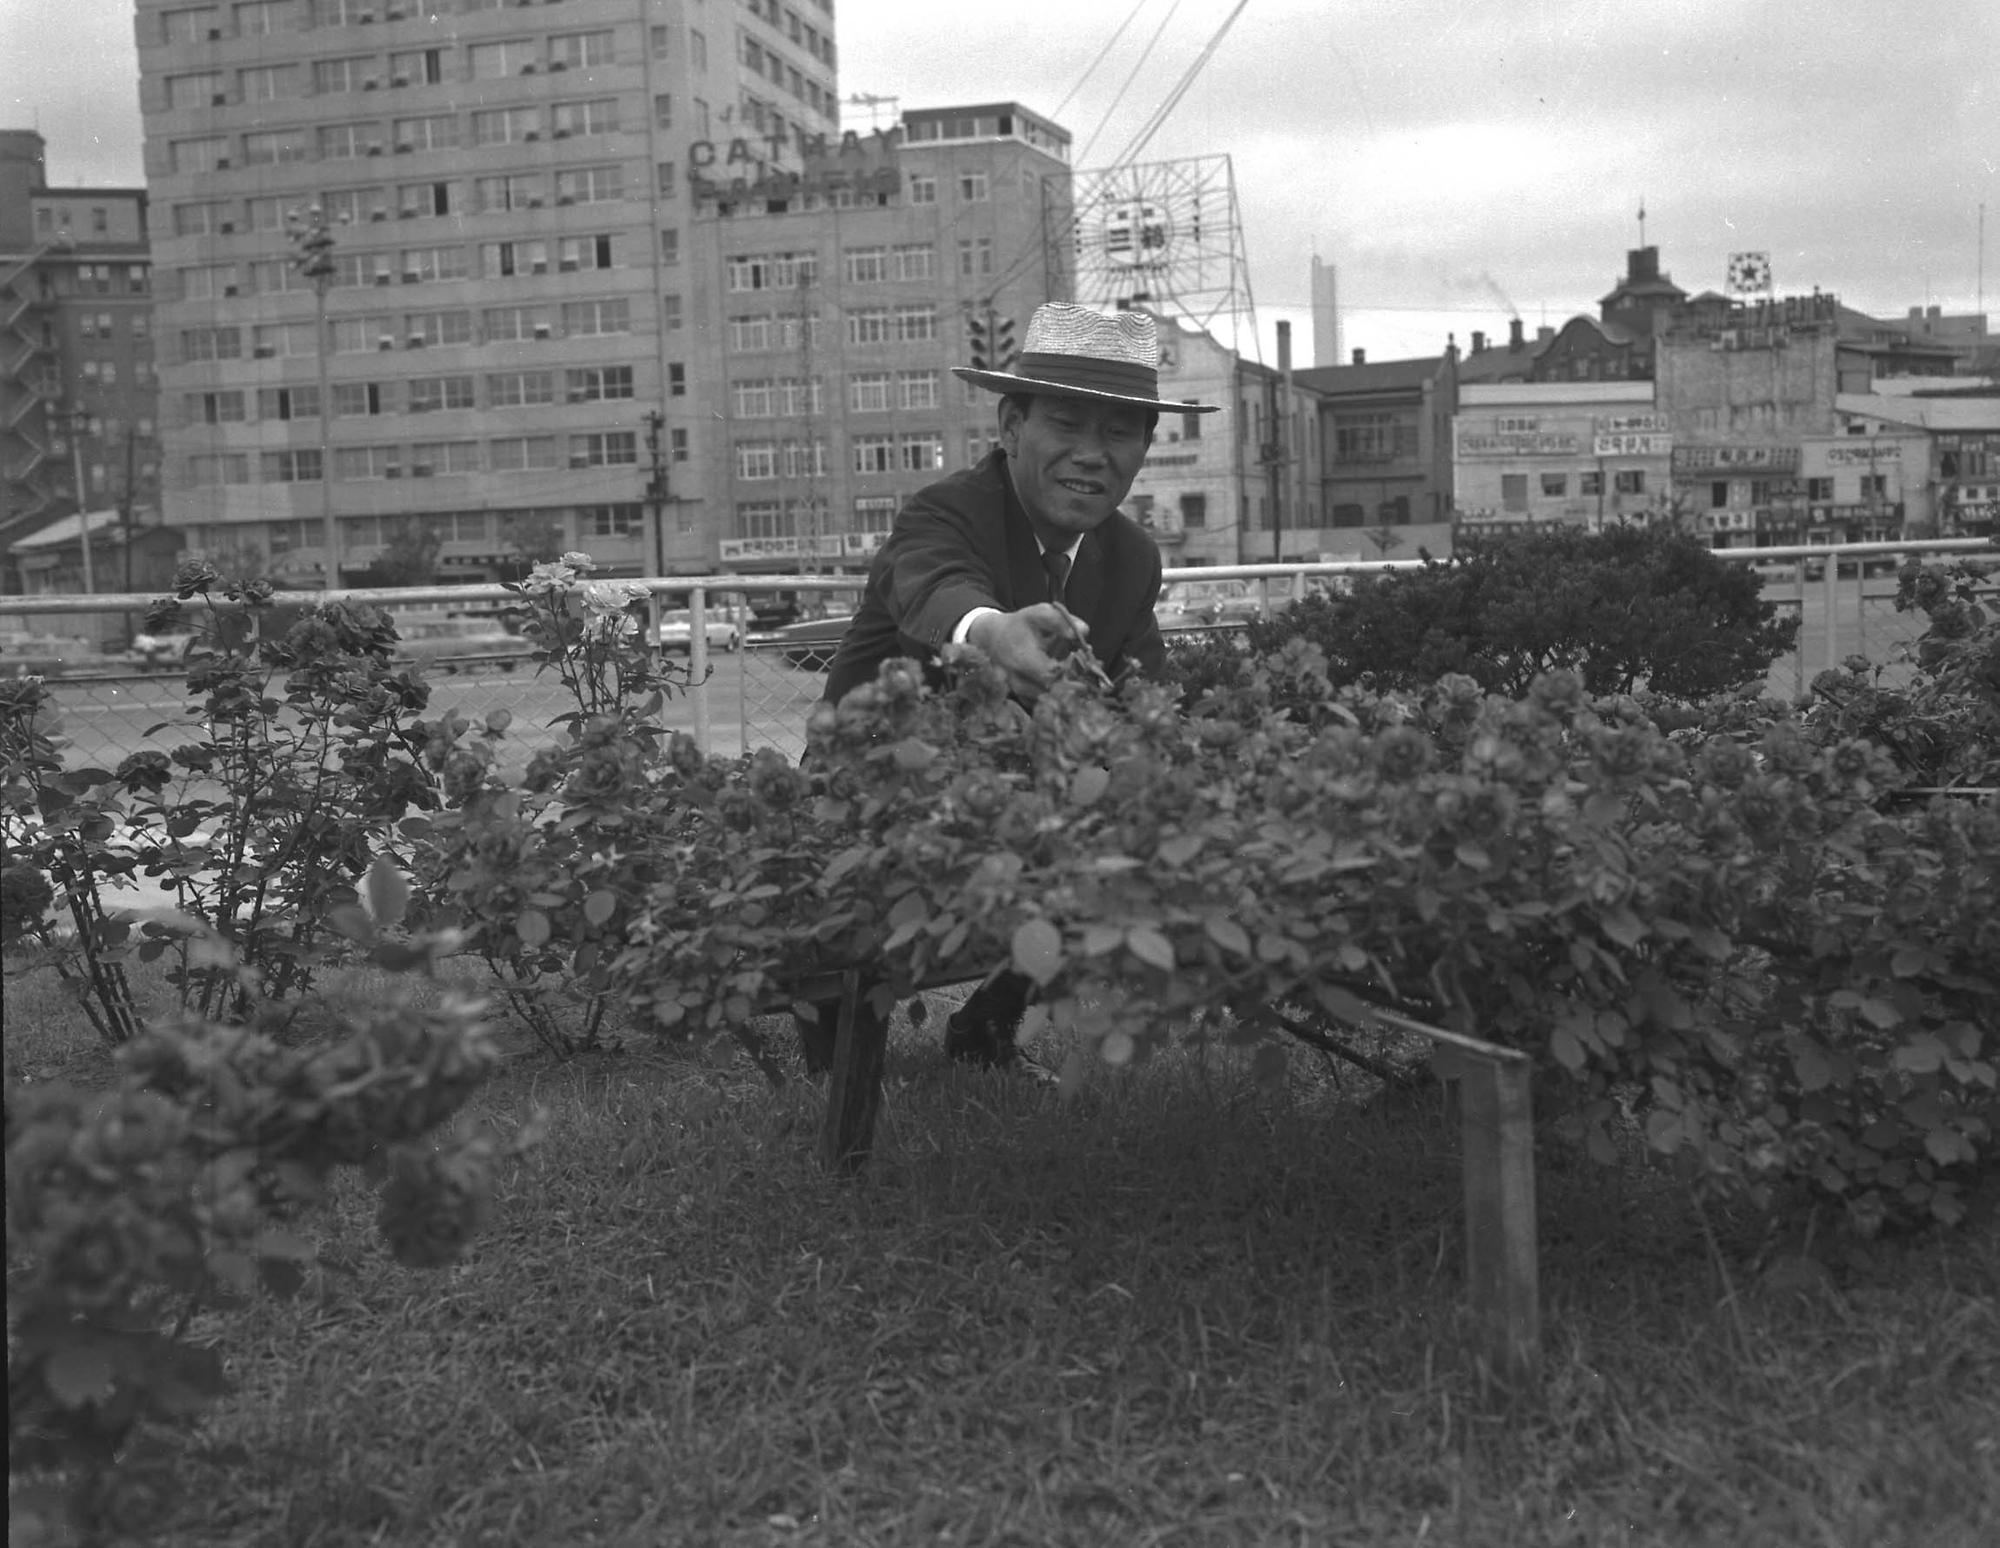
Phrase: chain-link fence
pixel 760 694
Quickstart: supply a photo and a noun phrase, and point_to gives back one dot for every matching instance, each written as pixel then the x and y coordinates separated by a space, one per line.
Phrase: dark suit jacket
pixel 965 542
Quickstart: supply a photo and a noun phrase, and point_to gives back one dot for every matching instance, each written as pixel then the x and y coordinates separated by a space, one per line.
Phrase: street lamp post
pixel 312 257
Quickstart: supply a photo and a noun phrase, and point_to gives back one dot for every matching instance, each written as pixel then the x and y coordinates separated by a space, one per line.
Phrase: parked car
pixel 160 650
pixel 40 655
pixel 773 611
pixel 677 630
pixel 448 642
pixel 1203 604
pixel 810 645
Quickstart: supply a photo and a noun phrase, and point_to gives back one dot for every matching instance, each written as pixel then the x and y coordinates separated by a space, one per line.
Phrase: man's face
pixel 1072 460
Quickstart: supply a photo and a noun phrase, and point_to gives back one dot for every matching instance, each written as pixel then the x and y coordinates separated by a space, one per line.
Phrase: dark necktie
pixel 1057 564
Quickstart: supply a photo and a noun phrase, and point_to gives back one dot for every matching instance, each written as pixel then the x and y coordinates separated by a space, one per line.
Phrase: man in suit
pixel 1026 556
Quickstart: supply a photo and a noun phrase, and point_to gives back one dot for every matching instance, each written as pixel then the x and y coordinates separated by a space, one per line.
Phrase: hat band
pixel 1117 377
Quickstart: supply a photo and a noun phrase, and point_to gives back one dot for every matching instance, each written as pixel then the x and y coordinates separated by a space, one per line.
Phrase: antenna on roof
pixel 1642 220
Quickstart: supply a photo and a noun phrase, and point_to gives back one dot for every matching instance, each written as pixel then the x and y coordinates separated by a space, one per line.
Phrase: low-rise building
pixel 1584 453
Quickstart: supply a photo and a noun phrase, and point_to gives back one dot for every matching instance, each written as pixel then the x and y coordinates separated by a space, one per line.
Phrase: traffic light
pixel 978 341
pixel 1003 350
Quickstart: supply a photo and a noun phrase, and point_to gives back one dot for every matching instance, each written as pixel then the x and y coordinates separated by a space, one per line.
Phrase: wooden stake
pixel 1502 1278
pixel 854 1086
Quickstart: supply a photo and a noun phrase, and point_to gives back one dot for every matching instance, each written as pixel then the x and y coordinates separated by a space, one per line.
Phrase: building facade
pixel 829 305
pixel 77 392
pixel 510 299
pixel 1206 491
pixel 1583 453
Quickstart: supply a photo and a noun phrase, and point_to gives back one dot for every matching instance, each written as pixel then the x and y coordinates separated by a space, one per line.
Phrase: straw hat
pixel 1075 352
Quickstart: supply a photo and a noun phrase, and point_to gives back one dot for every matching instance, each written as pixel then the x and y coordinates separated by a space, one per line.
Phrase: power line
pixel 1091 68
pixel 1144 54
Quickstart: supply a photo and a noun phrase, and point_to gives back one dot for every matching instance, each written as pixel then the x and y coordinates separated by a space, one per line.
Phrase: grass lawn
pixel 1180 1308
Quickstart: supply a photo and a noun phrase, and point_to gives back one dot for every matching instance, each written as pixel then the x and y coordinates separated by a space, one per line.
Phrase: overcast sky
pixel 1457 160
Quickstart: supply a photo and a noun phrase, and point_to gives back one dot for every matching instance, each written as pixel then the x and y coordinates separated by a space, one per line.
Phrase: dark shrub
pixel 1619 607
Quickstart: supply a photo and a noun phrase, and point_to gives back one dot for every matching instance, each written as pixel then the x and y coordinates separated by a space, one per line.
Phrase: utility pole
pixel 312 257
pixel 76 421
pixel 1274 458
pixel 658 490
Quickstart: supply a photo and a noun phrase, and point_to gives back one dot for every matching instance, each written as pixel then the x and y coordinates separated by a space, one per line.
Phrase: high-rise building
pixel 505 299
pixel 602 274
pixel 833 304
pixel 76 361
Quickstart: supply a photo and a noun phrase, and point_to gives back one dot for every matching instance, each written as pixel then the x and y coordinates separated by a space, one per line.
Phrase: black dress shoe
pixel 971 1038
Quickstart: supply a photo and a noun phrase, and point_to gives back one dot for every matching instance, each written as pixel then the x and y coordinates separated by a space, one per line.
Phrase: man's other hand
pixel 1029 644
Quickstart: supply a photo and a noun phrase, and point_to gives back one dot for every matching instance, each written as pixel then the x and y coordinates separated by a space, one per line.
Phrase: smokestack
pixel 1514 340
pixel 1361 357
pixel 1326 314
pixel 1478 340
pixel 1284 349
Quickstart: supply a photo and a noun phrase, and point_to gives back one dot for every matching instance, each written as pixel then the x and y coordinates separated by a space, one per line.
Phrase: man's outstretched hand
pixel 1029 644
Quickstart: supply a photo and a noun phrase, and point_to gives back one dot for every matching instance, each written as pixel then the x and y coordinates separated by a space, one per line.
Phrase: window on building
pixel 869 325
pixel 520 389
pixel 917 389
pixel 1629 481
pixel 506 126
pixel 874 454
pixel 663 110
pixel 435 459
pixel 611 314
pixel 433 394
pixel 295 465
pixel 1819 489
pixel 921 453
pixel 581 50
pixel 972 188
pixel 756 460
pixel 354 72
pixel 1590 483
pixel 1194 510
pixel 590 185
pixel 868 392
pixel 288 402
pixel 358 462
pixel 975 256
pixel 599 384
pixel 503 57
pixel 523 454
pixel 604 449
pixel 677 445
pixel 598 115
pixel 923 190
pixel 214 408
pixel 417 67
pixel 866 265
pixel 1718 494
pixel 1555 486
pixel 677 379
pixel 874 513
pixel 355 400
pixel 916 324
pixel 622 520
pixel 763 519
pixel 1514 491
pixel 431 131
pixel 584 252
pixel 805 459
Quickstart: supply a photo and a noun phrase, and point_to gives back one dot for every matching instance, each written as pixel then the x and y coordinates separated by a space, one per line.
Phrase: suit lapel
pixel 1086 580
pixel 1027 581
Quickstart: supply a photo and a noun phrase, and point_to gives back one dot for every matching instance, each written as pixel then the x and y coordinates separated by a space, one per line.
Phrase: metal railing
pixel 755 696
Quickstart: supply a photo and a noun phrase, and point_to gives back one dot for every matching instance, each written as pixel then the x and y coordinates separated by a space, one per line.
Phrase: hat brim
pixel 1010 382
